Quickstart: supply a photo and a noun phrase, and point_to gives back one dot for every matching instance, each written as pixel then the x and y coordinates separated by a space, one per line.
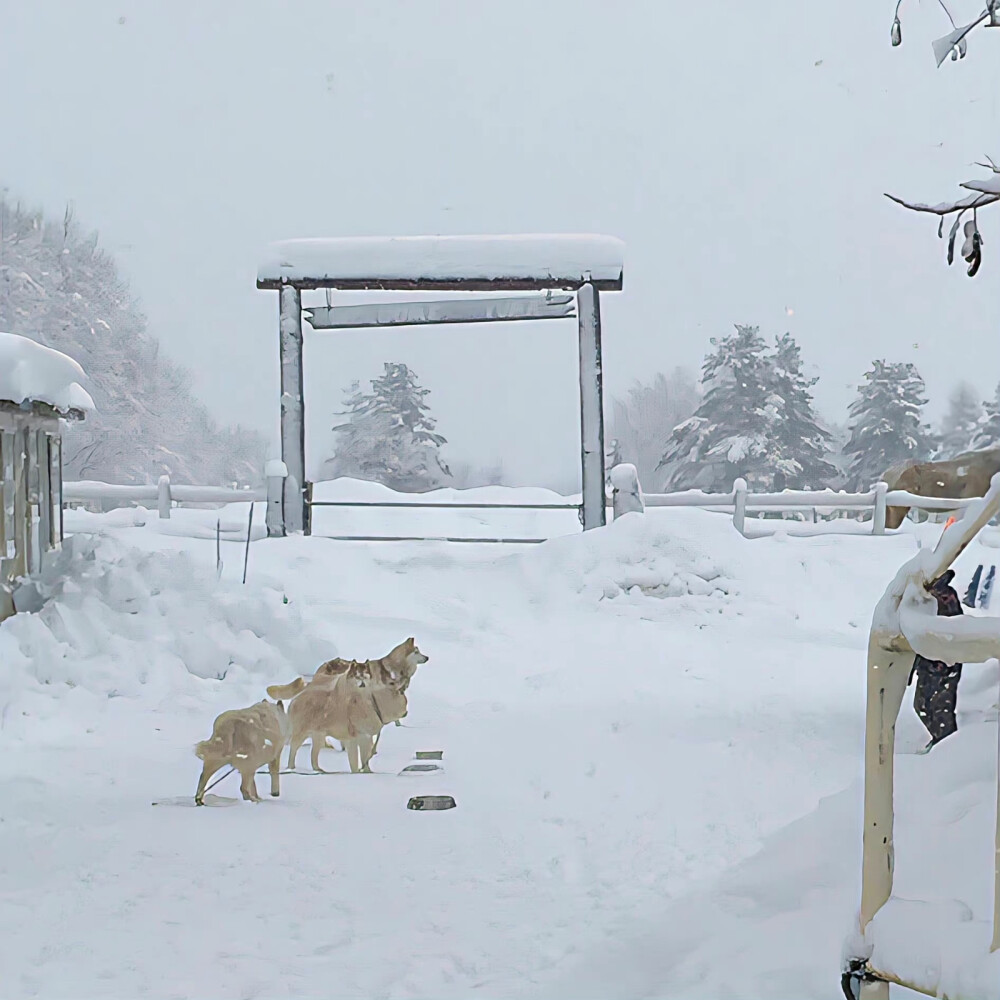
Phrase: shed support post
pixel 293 441
pixel 591 408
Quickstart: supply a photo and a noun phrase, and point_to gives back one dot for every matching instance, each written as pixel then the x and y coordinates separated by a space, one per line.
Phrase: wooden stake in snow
pixel 246 554
pixel 218 550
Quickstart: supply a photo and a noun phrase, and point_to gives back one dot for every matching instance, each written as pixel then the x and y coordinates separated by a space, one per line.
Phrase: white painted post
pixel 878 518
pixel 293 441
pixel 275 472
pixel 995 946
pixel 626 494
pixel 163 498
pixel 740 505
pixel 591 407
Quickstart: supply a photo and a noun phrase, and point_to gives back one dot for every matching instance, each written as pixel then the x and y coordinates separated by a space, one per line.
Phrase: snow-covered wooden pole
pixel 995 946
pixel 275 473
pixel 293 441
pixel 591 407
pixel 163 497
pixel 740 505
pixel 878 517
pixel 905 621
pixel 626 494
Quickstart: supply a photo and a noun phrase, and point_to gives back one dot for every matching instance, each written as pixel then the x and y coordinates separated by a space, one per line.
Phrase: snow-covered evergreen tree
pixel 887 422
pixel 755 420
pixel 389 435
pixel 987 433
pixel 730 433
pixel 800 446
pixel 58 288
pixel 959 425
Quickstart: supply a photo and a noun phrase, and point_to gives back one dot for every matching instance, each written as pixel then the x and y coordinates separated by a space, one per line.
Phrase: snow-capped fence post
pixel 626 494
pixel 740 505
pixel 163 498
pixel 275 472
pixel 591 407
pixel 293 441
pixel 878 518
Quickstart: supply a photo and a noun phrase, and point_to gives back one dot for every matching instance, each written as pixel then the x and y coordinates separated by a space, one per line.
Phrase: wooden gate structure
pixel 584 264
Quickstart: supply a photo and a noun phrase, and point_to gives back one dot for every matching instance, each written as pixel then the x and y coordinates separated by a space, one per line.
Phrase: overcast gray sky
pixel 739 149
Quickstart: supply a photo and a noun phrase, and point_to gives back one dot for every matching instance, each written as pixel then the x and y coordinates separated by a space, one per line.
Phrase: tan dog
pixel 325 673
pixel 352 705
pixel 245 738
pixel 965 476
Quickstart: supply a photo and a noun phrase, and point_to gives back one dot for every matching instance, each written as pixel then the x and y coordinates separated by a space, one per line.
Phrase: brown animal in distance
pixel 964 477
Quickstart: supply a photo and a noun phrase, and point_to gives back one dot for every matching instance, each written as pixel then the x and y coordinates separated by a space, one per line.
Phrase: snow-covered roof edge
pixel 33 373
pixel 565 260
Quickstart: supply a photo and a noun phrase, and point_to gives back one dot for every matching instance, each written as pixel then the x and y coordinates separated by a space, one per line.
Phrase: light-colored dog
pixel 351 703
pixel 245 738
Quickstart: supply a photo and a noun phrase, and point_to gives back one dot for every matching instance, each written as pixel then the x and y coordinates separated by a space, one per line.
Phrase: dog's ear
pixel 410 643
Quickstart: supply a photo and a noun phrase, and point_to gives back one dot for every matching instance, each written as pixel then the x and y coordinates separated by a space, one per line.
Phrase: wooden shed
pixel 39 391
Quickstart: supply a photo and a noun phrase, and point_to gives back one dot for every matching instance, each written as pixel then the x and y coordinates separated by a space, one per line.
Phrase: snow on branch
pixel 955 44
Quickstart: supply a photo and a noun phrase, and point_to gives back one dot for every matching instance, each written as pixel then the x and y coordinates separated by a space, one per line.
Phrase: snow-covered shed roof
pixel 33 373
pixel 459 263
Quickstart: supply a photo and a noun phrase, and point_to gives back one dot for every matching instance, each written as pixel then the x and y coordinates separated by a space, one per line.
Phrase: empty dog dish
pixel 428 802
pixel 429 754
pixel 411 768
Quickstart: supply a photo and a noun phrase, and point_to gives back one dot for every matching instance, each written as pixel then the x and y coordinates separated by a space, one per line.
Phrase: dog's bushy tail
pixel 284 692
pixel 217 746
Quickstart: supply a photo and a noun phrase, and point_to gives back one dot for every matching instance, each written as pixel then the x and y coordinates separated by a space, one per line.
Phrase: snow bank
pixel 114 621
pixel 32 372
pixel 447 259
pixel 642 555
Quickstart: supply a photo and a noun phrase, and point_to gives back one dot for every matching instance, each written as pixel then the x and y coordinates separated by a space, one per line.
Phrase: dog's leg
pixel 210 768
pixel 293 748
pixel 317 745
pixel 353 755
pixel 274 767
pixel 366 749
pixel 247 786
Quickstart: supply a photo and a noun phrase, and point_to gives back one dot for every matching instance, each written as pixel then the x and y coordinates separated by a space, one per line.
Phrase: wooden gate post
pixel 591 408
pixel 293 440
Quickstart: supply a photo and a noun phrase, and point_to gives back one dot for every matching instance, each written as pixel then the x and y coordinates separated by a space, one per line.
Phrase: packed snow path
pixel 619 762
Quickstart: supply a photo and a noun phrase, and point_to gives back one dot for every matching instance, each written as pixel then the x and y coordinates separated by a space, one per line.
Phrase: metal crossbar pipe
pixel 432 538
pixel 454 506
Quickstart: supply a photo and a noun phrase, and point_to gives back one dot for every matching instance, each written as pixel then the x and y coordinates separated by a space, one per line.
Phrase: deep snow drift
pixel 653 734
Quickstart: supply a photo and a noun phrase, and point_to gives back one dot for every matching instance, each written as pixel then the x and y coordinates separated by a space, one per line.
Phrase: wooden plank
pixel 293 441
pixel 21 509
pixel 591 407
pixel 441 284
pixel 55 478
pixel 44 494
pixel 33 561
pixel 441 312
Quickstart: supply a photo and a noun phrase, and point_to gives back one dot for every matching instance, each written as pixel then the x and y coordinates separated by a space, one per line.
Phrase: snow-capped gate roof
pixel 459 263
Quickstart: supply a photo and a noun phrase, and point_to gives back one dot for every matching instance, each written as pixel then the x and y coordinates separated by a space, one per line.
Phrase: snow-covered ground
pixel 653 733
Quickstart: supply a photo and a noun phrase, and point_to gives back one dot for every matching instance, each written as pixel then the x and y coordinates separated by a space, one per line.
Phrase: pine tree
pixel 756 420
pixel 960 424
pixel 987 434
pixel 886 422
pixel 389 436
pixel 799 447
